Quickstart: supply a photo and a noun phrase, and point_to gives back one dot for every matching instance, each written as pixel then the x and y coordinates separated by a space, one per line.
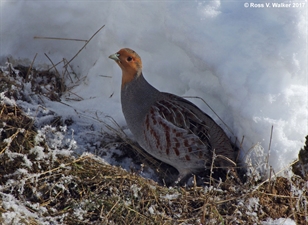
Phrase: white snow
pixel 249 64
pixel 17 212
pixel 152 210
pixel 280 221
pixel 171 196
pixel 5 100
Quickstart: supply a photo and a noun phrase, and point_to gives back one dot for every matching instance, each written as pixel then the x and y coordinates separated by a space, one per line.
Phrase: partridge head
pixel 167 126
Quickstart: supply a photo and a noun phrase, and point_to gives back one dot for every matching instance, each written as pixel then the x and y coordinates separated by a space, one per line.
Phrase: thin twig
pixel 226 159
pixel 52 64
pixel 62 166
pixel 87 42
pixel 212 166
pixel 241 145
pixel 66 71
pixel 268 179
pixel 212 111
pixel 29 70
pixel 112 209
pixel 105 76
pixel 57 72
pixel 80 98
pixel 240 148
pixel 62 39
pixel 9 143
pixel 269 146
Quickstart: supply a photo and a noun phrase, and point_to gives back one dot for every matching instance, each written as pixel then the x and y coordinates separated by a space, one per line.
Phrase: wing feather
pixel 174 132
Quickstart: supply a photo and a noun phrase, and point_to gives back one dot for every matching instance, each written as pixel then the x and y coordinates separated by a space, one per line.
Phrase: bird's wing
pixel 175 131
pixel 208 131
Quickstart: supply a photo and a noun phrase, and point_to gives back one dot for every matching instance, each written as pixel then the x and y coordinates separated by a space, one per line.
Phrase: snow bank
pixel 249 64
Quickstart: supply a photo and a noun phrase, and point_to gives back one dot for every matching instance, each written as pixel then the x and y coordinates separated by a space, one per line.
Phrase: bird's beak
pixel 115 57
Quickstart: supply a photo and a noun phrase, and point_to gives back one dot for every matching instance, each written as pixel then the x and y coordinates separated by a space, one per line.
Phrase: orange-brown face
pixel 130 63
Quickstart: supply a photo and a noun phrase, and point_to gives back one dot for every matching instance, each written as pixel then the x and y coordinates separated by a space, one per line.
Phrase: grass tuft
pixel 44 183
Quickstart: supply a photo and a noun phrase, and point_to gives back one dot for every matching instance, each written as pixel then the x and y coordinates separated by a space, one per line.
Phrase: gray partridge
pixel 167 126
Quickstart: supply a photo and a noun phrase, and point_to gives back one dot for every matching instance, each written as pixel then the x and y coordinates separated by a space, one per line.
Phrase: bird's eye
pixel 129 58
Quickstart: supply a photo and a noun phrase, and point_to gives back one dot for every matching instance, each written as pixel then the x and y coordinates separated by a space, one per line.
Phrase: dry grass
pixel 64 189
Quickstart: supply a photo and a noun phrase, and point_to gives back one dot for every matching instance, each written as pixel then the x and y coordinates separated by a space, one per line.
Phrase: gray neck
pixel 137 97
